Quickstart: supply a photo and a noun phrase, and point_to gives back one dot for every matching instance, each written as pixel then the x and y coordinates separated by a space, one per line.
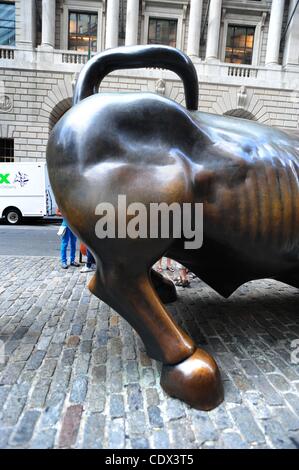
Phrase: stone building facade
pixel 246 54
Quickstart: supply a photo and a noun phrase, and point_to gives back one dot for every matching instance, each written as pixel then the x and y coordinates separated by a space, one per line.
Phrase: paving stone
pixel 182 435
pixel 279 382
pixel 81 364
pixel 175 409
pixel 76 329
pixel 154 415
pixel 116 436
pixel 86 346
pixel 10 375
pixel 94 431
pixel 115 364
pixel 137 423
pixel 39 394
pixel 148 377
pixel 70 426
pixel 54 350
pixel 139 443
pixel 36 359
pixel 293 401
pixel 4 391
pixel 43 343
pixel 152 397
pixel 232 440
pixel 53 409
pixel 100 355
pixel 96 398
pixel 43 439
pixel 117 408
pixel 63 355
pixel 270 394
pixel 99 374
pixel 161 439
pixel 135 399
pixel 68 357
pixel 25 428
pixel 250 368
pixel 259 405
pixel 23 352
pixel 79 389
pixel 232 394
pixel 276 433
pixel 203 428
pixel 48 367
pixel 294 438
pixel 12 409
pixel 4 436
pixel 241 380
pixel 247 425
pixel 19 333
pixel 220 418
pixel 287 418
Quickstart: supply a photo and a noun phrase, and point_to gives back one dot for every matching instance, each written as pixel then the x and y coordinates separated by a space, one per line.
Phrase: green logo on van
pixel 4 178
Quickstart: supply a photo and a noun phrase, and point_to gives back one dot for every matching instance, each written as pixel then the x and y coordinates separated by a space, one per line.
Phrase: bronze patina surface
pixel 152 149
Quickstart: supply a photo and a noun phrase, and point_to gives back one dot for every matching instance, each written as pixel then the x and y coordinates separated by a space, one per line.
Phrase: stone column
pixel 48 24
pixel 132 22
pixel 194 27
pixel 213 30
pixel 291 48
pixel 28 22
pixel 112 20
pixel 274 35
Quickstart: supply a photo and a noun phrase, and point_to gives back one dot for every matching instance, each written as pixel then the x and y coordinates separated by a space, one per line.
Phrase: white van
pixel 25 191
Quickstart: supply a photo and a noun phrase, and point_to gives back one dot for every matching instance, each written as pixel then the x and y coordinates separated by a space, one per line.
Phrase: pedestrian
pixel 90 263
pixel 183 279
pixel 168 265
pixel 67 237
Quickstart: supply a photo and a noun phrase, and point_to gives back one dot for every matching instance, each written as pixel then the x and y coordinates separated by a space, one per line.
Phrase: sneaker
pixel 64 265
pixel 74 263
pixel 86 269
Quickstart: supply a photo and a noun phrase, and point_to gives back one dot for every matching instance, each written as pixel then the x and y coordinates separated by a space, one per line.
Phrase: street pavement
pixel 35 238
pixel 76 375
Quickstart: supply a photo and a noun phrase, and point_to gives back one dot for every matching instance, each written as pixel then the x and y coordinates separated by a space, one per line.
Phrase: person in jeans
pixel 67 238
pixel 183 279
pixel 90 263
pixel 168 265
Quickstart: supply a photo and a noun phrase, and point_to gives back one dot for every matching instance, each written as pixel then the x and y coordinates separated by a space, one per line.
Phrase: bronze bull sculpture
pixel 152 149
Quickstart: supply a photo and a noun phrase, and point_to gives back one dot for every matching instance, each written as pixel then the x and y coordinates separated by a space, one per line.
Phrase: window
pixel 239 44
pixel 82 32
pixel 7 24
pixel 162 31
pixel 6 150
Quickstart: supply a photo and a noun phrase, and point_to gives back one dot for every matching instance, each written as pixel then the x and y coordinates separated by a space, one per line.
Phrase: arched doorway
pixel 58 111
pixel 240 113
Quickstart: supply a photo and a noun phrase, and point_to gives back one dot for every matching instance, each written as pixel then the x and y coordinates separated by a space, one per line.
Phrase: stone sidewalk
pixel 75 374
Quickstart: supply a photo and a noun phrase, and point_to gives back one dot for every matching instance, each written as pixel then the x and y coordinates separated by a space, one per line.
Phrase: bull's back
pixel 252 201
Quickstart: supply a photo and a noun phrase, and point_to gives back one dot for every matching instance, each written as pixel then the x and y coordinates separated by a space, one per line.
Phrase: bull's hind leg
pixel 188 373
pixel 165 288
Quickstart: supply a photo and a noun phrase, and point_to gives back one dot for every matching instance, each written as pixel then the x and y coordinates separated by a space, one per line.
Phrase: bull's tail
pixel 133 57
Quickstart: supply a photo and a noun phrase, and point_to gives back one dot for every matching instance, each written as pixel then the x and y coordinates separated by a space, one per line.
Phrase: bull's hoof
pixel 165 288
pixel 196 381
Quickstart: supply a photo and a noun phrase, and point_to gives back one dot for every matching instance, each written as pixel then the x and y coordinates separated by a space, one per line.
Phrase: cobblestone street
pixel 75 374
